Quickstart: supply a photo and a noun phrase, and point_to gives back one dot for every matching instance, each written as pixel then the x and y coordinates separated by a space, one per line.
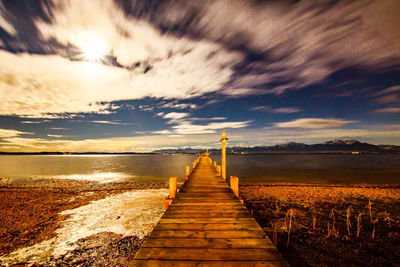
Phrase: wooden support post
pixel 215 164
pixel 172 191
pixel 194 164
pixel 223 155
pixel 172 186
pixel 187 170
pixel 235 185
pixel 219 170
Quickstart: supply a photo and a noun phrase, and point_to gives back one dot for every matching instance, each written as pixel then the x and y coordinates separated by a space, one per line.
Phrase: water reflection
pixel 303 168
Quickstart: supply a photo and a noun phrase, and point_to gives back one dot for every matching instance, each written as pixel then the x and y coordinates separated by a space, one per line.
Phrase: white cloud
pixel 48 86
pixel 33 122
pixel 53 86
pixel 285 110
pixel 175 117
pixel 6 133
pixel 313 123
pixel 209 119
pixel 187 128
pixel 111 122
pixel 55 135
pixel 246 137
pixel 172 105
pixel 388 110
pixel 389 90
pixel 4 24
pixel 303 41
pixel 387 99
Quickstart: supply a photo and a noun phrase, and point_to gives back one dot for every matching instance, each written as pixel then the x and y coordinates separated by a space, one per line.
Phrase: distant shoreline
pixel 176 154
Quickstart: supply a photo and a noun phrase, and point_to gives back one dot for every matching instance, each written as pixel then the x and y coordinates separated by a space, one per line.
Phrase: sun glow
pixel 93 47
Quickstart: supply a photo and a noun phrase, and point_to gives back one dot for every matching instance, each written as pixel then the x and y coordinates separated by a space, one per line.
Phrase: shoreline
pixel 32 212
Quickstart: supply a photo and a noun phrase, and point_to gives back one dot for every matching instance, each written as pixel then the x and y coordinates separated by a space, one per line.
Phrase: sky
pixel 136 76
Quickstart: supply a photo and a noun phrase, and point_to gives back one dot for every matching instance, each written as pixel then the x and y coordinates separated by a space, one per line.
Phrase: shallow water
pixel 293 168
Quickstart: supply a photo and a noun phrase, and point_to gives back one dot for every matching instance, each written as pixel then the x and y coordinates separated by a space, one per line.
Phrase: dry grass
pixel 333 225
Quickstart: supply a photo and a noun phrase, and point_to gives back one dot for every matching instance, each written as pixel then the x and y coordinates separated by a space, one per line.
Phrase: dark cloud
pixel 297 43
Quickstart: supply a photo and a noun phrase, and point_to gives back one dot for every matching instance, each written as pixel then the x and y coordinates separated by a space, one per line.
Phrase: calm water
pixel 311 168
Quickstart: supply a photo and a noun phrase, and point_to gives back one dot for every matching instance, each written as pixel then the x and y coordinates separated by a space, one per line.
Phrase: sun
pixel 93 47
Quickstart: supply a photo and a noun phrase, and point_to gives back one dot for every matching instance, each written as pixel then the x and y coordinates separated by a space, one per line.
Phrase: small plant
pixel 348 223
pixel 274 236
pixel 332 215
pixel 278 209
pixel 373 231
pixel 329 232
pixel 388 219
pixel 288 224
pixel 370 209
pixel 358 224
pixel 314 220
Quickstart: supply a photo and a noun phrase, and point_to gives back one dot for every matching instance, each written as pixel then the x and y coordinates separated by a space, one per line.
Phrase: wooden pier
pixel 207 225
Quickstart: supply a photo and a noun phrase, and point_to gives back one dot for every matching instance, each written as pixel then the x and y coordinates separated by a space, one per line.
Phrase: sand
pixel 47 220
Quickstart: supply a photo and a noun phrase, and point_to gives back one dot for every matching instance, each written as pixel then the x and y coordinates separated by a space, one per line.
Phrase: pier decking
pixel 207 225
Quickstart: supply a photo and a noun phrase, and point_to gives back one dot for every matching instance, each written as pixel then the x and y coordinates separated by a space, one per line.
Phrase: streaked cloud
pixel 285 110
pixel 174 117
pixel 55 135
pixel 161 64
pixel 388 110
pixel 148 64
pixel 313 123
pixel 187 128
pixel 112 122
pixel 298 43
pixel 34 122
pixel 388 99
pixel 389 90
pixel 6 133
pixel 4 21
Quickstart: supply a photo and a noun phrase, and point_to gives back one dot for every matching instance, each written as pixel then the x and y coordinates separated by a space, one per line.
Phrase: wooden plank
pixel 180 263
pixel 255 234
pixel 205 220
pixel 209 226
pixel 199 209
pixel 203 215
pixel 208 253
pixel 207 204
pixel 210 191
pixel 207 243
pixel 200 198
pixel 206 225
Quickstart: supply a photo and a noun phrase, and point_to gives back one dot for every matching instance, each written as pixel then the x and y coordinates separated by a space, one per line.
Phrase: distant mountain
pixel 335 146
pixel 390 147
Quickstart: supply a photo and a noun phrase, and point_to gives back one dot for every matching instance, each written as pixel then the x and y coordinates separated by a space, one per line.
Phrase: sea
pixel 150 168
